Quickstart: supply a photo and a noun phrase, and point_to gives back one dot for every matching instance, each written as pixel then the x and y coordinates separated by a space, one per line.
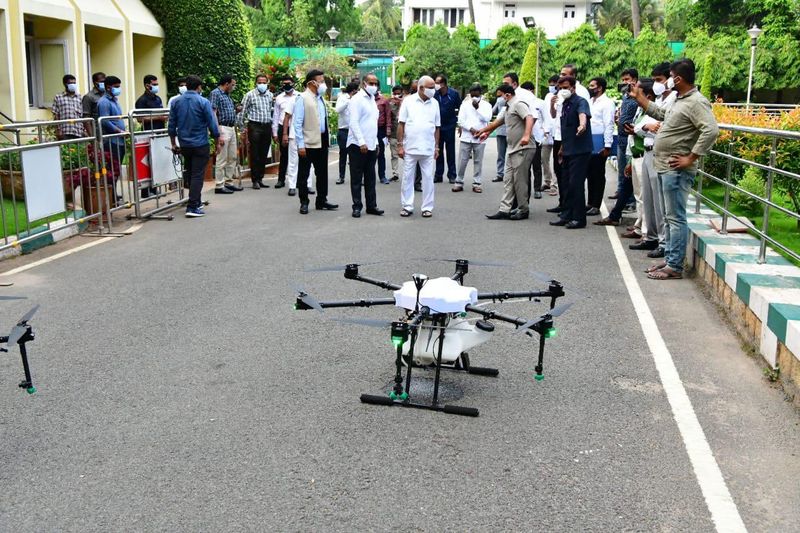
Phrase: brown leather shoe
pixel 631 235
pixel 606 222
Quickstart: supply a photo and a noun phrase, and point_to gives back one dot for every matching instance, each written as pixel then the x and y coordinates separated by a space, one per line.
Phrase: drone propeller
pixel 307 298
pixel 3 298
pixel 554 312
pixel 19 330
pixel 342 268
pixel 371 322
pixel 547 278
pixel 472 263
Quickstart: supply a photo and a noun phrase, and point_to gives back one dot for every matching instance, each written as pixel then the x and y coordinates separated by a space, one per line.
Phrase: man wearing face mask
pixel 384 131
pixel 284 101
pixel 449 103
pixel 109 106
pixel 224 108
pixel 362 146
pixel 394 106
pixel 474 115
pixel 257 114
pixel 575 152
pixel 663 86
pixel 181 90
pixel 627 111
pixel 418 144
pixel 90 99
pixel 343 110
pixel 502 143
pixel 150 100
pixel 68 106
pixel 550 127
pixel 310 120
pixel 687 133
pixel 602 125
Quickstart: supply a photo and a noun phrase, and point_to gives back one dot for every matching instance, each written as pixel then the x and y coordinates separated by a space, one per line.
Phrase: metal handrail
pixel 766 201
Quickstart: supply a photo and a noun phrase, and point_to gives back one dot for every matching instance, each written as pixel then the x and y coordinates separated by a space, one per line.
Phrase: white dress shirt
pixel 471 118
pixel 421 118
pixel 283 102
pixel 602 121
pixel 582 91
pixel 343 109
pixel 363 120
pixel 550 125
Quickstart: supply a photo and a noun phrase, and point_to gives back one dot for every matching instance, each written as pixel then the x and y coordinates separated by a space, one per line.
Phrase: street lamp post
pixel 753 32
pixel 396 59
pixel 530 22
pixel 332 34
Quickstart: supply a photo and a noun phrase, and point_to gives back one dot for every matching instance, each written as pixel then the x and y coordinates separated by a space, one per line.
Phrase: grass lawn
pixel 9 228
pixel 781 227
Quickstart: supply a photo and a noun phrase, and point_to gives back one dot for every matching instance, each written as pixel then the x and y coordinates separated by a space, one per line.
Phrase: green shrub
pixel 208 39
pixel 752 182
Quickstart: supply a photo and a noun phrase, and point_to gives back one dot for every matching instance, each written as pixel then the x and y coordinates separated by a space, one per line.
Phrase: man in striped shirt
pixel 257 113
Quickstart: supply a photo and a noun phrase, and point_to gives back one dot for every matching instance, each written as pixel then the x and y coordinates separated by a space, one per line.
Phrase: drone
pixel 21 334
pixel 434 331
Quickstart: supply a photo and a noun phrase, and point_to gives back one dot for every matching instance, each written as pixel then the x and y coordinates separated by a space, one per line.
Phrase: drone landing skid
pixel 448 409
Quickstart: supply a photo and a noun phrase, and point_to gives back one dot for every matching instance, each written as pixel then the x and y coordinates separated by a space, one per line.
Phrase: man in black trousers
pixel 362 146
pixel 284 98
pixel 575 152
pixel 310 121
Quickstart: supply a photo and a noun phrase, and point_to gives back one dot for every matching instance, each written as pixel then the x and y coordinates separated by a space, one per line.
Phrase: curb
pixel 762 300
pixel 59 234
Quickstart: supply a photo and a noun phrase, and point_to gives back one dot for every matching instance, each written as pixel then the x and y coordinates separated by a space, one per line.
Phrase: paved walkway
pixel 179 391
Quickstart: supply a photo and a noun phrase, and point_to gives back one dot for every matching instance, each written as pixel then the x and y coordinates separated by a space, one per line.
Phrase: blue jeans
pixel 675 187
pixel 501 155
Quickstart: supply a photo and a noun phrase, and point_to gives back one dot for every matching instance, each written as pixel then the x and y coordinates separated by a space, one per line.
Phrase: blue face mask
pixel 116 91
pixel 101 86
pixel 154 89
pixel 72 87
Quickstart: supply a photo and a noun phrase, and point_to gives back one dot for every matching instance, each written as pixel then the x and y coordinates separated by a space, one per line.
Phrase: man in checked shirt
pixel 222 104
pixel 257 113
pixel 68 106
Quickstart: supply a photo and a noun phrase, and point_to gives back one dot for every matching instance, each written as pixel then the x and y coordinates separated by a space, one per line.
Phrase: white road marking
pixel 719 501
pixel 65 253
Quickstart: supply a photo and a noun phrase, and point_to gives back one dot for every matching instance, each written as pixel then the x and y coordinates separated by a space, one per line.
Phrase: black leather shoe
pixel 376 211
pixel 555 209
pixel 312 191
pixel 498 179
pixel 537 195
pixel 280 185
pixel 520 215
pixel 655 254
pixel 256 185
pixel 292 192
pixel 592 212
pixel 438 180
pixel 356 213
pixel 264 185
pixel 644 245
pixel 500 215
pixel 574 224
pixel 418 189
pixel 339 181
pixel 559 222
pixel 303 209
pixel 232 187
pixel 327 206
pixel 222 190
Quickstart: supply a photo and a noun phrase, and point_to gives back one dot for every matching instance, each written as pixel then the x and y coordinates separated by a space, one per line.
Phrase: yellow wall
pixel 6 93
pixel 147 60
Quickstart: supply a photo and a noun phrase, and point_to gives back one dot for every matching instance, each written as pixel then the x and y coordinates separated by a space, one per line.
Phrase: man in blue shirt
pixel 627 111
pixel 190 120
pixel 575 152
pixel 114 144
pixel 449 105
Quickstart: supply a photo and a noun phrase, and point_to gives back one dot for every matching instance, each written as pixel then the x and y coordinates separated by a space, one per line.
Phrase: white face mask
pixel 476 99
pixel 181 89
pixel 659 88
pixel 371 89
pixel 565 94
pixel 670 83
pixel 72 87
pixel 437 87
pixel 430 93
pixel 262 87
pixel 552 89
pixel 322 88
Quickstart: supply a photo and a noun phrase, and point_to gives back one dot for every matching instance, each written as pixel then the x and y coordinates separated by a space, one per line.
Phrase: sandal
pixel 553 191
pixel 427 214
pixel 476 188
pixel 405 213
pixel 457 188
pixel 665 273
pixel 657 266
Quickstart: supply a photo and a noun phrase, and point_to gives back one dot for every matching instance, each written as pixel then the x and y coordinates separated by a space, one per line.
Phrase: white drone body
pixel 441 295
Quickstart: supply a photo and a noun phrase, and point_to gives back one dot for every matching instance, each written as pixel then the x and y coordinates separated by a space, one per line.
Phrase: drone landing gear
pixel 399 395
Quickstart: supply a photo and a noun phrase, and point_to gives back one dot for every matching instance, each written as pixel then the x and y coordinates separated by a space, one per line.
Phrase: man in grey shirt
pixel 688 131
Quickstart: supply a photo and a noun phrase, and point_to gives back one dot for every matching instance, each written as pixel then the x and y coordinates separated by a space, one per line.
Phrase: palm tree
pixel 387 12
pixel 620 13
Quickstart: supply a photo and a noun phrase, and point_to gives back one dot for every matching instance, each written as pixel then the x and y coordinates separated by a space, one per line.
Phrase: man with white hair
pixel 418 143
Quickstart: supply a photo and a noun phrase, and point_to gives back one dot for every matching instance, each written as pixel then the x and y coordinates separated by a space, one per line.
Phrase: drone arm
pixel 388 285
pixel 494 315
pixel 507 295
pixel 300 305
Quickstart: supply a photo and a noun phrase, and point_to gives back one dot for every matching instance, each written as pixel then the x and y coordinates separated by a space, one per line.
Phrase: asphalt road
pixel 179 391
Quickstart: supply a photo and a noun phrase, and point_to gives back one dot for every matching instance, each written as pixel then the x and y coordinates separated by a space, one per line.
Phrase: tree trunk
pixel 472 12
pixel 636 18
pixel 288 7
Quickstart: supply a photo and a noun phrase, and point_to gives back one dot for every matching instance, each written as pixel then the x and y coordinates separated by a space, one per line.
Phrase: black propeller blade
pixel 4 298
pixel 308 299
pixel 473 263
pixel 544 277
pixel 19 330
pixel 554 312
pixel 371 322
pixel 342 268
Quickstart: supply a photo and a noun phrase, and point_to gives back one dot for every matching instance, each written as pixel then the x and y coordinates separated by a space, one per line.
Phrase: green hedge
pixel 208 39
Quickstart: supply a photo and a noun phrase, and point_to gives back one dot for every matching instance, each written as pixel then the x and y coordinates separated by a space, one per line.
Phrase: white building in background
pixel 554 16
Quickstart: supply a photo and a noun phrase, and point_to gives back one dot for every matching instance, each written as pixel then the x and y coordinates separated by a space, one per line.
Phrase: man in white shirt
pixel 343 110
pixel 549 127
pixel 538 137
pixel 181 90
pixel 284 100
pixel 474 115
pixel 418 143
pixel 602 123
pixel 285 108
pixel 362 146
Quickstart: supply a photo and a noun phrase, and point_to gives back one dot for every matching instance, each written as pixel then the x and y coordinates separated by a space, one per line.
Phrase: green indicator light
pixel 397 341
pixel 550 333
pixel 31 389
pixel 462 315
pixel 538 377
pixel 295 307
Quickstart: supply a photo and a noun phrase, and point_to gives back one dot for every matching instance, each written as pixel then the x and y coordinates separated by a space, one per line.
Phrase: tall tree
pixel 581 47
pixel 613 13
pixel 381 20
pixel 617 52
pixel 649 49
pixel 636 18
